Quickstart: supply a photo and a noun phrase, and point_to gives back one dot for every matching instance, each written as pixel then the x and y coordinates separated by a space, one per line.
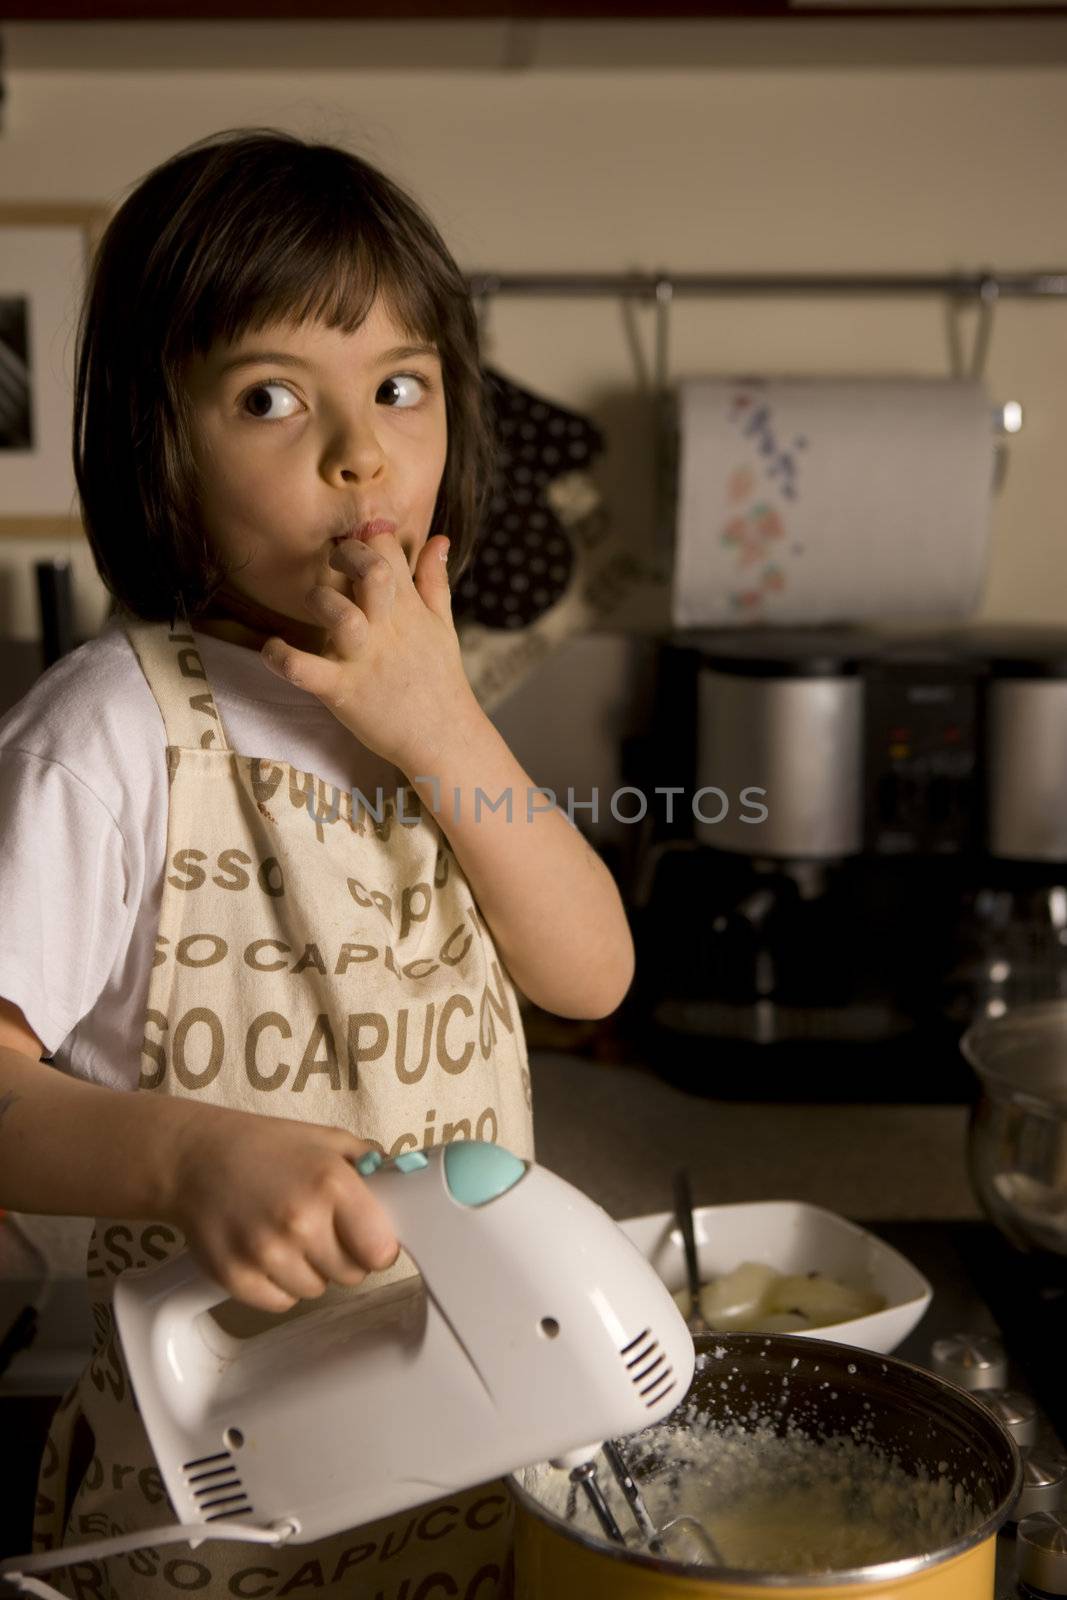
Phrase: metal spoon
pixel 683 1215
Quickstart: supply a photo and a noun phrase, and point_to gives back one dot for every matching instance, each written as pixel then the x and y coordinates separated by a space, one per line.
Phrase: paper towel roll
pixel 831 500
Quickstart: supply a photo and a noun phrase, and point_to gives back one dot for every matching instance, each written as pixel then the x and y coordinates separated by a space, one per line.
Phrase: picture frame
pixel 45 251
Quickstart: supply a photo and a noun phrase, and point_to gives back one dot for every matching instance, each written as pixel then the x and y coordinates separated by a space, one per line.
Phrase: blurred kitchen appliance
pixel 23 660
pixel 1017 1142
pixel 868 846
pixel 55 598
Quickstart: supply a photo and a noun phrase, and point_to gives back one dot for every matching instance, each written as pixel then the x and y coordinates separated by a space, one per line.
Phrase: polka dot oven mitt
pixel 511 605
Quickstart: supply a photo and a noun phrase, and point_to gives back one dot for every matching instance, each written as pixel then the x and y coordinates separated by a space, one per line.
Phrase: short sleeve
pixel 63 915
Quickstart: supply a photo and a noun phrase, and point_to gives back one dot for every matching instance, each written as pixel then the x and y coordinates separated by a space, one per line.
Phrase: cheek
pixel 434 472
pixel 246 507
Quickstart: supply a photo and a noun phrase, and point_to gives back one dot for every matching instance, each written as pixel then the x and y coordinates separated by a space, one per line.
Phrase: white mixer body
pixel 541 1330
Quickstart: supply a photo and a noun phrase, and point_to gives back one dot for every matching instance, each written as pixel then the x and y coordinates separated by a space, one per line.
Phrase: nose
pixel 353 451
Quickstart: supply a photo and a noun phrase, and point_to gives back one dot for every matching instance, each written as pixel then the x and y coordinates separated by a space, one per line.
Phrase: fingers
pixel 389 548
pixel 254 1289
pixel 431 576
pixel 346 1235
pixel 288 1268
pixel 372 573
pixel 364 1231
pixel 345 622
pixel 375 569
pixel 276 1270
pixel 319 675
pixel 329 1257
pixel 246 1280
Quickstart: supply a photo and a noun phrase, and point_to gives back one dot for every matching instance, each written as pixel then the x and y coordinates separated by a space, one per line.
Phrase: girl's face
pixel 301 435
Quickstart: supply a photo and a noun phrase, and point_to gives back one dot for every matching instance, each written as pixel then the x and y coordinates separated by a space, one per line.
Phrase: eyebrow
pixel 402 352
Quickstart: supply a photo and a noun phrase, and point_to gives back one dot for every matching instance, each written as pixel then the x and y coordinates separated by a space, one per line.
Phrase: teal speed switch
pixel 477 1172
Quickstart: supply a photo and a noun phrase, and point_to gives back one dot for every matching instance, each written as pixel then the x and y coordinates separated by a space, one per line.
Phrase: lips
pixel 366 529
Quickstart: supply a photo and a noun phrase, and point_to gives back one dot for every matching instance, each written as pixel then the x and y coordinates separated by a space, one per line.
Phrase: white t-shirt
pixel 83 832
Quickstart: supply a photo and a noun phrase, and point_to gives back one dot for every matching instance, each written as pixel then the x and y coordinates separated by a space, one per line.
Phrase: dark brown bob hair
pixel 248 227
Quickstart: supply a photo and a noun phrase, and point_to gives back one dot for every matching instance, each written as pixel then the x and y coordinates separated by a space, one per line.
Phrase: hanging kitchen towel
pixel 545 566
pixel 820 500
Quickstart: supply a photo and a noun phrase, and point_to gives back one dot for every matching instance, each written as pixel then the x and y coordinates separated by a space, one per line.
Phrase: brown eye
pixel 408 382
pixel 268 401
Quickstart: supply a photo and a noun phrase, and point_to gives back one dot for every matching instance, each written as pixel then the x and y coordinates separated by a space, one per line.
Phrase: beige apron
pixel 314 963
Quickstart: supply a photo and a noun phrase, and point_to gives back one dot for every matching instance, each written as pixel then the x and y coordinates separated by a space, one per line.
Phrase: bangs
pixel 305 245
pixel 245 229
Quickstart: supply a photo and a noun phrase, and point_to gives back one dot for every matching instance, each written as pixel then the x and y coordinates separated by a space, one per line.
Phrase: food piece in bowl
pixel 823 1300
pixel 754 1298
pixel 736 1300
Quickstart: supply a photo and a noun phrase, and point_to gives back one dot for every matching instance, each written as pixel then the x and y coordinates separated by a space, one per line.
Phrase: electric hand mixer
pixel 542 1332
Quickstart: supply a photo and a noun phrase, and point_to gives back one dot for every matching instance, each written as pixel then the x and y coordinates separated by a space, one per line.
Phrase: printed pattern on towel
pixel 828 501
pixel 755 529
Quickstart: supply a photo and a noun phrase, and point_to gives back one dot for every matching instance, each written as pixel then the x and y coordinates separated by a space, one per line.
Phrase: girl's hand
pixel 391 670
pixel 274 1209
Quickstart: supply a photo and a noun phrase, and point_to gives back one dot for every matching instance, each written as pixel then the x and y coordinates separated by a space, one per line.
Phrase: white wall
pixel 888 147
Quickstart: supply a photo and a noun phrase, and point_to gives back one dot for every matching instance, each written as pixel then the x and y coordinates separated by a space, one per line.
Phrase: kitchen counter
pixel 616 1131
pixel 619 1132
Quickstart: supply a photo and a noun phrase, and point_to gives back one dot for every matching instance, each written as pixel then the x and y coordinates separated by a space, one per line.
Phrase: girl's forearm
pixel 69 1148
pixel 552 906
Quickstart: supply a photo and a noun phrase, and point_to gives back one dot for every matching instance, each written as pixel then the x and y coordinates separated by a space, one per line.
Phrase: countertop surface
pixel 619 1132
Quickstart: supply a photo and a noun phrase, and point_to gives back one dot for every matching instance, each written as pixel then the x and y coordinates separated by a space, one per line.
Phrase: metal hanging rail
pixel 985 285
pixel 987 288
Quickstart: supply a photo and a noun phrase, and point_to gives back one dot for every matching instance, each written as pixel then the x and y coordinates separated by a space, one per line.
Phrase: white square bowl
pixel 794 1237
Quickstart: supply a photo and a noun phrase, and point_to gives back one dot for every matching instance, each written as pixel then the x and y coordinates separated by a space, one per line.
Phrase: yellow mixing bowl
pixel 825 1391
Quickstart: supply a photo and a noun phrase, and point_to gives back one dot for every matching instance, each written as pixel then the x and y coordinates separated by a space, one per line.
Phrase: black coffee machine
pixel 866 850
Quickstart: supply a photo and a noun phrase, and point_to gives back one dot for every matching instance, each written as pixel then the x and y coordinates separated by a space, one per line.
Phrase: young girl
pixel 280 447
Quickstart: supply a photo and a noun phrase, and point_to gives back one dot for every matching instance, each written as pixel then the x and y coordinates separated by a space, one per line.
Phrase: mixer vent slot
pixel 650 1373
pixel 215 1485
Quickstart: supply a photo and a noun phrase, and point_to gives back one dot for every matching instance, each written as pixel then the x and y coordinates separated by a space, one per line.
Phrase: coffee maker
pixel 866 851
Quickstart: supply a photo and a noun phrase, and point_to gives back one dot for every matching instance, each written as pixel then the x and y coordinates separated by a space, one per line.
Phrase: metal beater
pixel 684 1538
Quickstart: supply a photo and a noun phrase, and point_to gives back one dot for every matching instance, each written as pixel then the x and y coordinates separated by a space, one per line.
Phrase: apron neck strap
pixel 178 680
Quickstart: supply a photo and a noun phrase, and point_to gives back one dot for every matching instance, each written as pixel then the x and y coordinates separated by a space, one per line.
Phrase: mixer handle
pixel 156 1311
